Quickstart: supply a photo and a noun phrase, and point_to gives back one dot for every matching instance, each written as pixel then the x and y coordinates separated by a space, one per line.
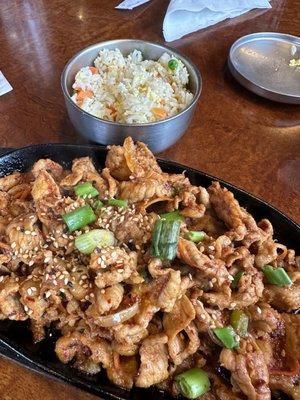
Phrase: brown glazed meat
pixel 143 319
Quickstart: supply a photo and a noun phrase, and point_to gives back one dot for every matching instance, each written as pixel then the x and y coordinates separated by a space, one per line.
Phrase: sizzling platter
pixel 41 356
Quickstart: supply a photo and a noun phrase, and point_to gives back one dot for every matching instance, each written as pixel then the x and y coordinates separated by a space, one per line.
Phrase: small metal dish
pixel 157 135
pixel 260 62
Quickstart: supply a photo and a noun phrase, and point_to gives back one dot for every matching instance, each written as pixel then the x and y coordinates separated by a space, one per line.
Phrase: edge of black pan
pixel 15 338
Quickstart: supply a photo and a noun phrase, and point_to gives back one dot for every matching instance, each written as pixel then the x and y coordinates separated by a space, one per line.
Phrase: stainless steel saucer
pixel 261 63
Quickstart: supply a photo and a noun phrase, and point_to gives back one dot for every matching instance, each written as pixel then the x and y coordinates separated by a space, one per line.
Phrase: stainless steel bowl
pixel 157 135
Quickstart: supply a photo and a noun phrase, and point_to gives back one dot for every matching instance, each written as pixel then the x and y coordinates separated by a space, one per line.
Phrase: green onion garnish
pixel 165 239
pixel 195 236
pixel 85 190
pixel 172 216
pixel 117 203
pixel 79 218
pixel 193 383
pixel 236 279
pixel 97 205
pixel 87 242
pixel 173 64
pixel 276 276
pixel 227 336
pixel 239 321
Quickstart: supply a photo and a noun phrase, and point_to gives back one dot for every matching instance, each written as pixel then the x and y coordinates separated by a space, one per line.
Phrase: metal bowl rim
pixel 114 123
pixel 285 97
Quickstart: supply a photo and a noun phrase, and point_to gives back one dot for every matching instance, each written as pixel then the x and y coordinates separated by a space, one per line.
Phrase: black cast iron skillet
pixel 15 338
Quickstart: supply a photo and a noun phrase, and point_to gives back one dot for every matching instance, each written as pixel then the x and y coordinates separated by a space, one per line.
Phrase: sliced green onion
pixel 85 190
pixel 239 321
pixel 165 239
pixel 97 205
pixel 87 242
pixel 236 279
pixel 193 383
pixel 173 64
pixel 117 203
pixel 227 336
pixel 195 236
pixel 276 276
pixel 172 216
pixel 79 218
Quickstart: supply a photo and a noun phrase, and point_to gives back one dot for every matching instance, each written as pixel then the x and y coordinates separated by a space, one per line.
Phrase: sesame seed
pixel 66 281
pixel 259 310
pixel 29 291
pixel 27 232
pixel 26 308
pixel 1 278
pixel 202 316
pixel 102 291
pixel 31 263
pixel 33 233
pixel 46 260
pixel 13 245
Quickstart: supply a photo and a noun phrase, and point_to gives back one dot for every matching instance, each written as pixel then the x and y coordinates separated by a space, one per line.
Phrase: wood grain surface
pixel 235 135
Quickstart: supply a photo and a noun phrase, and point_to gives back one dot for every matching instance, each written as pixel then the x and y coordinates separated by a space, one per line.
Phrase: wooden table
pixel 235 135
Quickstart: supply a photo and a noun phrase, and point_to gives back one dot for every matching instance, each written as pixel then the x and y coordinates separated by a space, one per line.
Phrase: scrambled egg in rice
pixel 131 90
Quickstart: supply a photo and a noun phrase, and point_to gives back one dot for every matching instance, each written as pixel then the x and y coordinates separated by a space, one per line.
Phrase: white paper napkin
pixel 186 16
pixel 5 86
pixel 130 4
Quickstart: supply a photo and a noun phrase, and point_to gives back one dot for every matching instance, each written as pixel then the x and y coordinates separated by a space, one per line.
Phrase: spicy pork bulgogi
pixel 155 280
